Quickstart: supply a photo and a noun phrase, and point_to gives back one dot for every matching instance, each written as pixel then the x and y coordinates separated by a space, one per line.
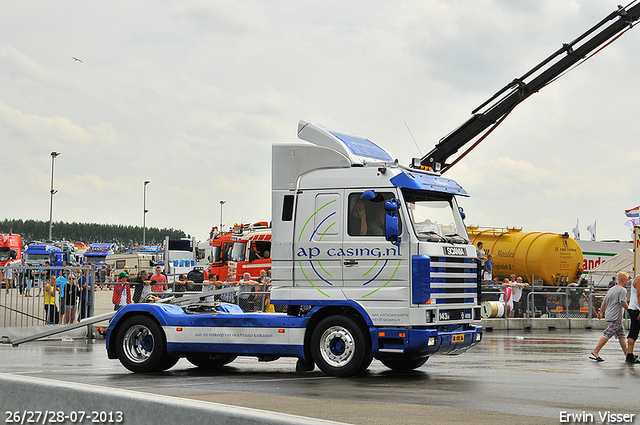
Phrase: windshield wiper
pixel 433 235
pixel 461 239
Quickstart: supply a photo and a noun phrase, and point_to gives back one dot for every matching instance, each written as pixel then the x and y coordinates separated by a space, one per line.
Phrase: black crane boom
pixel 499 105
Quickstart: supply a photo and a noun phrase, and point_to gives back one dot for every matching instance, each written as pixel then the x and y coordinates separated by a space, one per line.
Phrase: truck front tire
pixel 339 347
pixel 140 346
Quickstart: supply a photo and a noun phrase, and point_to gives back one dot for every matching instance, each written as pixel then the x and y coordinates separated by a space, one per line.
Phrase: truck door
pixel 318 244
pixel 372 267
pixel 58 258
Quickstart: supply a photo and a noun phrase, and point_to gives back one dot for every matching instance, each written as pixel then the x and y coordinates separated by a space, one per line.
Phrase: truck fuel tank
pixel 554 258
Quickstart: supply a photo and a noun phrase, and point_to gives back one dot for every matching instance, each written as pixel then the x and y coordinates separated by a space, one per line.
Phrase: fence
pixel 569 302
pixel 34 296
pixel 24 301
pixel 250 297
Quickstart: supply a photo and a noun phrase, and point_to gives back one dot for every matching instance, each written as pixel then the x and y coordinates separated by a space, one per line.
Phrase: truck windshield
pixel 237 253
pixel 435 217
pixel 36 258
pixel 215 254
pixel 5 255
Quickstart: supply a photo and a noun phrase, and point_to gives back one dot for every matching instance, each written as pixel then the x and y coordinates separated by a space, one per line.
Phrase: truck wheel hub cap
pixel 337 346
pixel 138 343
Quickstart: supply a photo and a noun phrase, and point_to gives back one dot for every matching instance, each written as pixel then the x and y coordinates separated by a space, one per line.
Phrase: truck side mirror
pixel 391 229
pixel 391 206
pixel 367 195
pixel 462 214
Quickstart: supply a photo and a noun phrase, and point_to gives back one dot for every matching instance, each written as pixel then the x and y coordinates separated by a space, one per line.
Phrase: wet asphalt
pixel 532 377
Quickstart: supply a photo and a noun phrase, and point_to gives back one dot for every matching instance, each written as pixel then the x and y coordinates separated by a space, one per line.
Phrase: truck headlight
pixel 428 316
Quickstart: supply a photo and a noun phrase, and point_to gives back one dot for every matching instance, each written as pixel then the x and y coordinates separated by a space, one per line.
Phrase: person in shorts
pixel 71 292
pixel 634 311
pixel 612 305
pixel 488 270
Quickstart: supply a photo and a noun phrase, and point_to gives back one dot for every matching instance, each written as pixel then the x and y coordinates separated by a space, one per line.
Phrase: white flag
pixel 576 231
pixel 592 229
pixel 632 223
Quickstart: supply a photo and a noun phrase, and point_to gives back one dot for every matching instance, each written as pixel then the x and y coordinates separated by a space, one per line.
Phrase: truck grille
pixel 454 280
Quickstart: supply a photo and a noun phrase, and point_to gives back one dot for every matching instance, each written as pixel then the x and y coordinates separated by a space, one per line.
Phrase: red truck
pixel 10 250
pixel 251 251
pixel 222 244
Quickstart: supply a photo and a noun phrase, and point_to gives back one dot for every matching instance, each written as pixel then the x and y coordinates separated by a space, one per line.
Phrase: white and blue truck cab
pixel 370 258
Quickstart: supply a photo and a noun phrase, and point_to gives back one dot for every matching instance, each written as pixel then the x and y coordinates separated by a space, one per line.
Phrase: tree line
pixel 123 236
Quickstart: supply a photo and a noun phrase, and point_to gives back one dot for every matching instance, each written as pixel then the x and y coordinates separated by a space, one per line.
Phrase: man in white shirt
pixel 245 295
pixel 8 278
pixel 517 286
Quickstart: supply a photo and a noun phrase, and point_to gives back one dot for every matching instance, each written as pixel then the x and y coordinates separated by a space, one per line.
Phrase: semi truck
pixel 10 251
pixel 39 253
pixel 252 244
pixel 10 248
pixel 98 252
pixel 221 245
pixel 400 291
pixel 251 251
pixel 370 257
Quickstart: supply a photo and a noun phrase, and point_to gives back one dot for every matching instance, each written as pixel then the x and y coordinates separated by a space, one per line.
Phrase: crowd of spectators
pixel 68 292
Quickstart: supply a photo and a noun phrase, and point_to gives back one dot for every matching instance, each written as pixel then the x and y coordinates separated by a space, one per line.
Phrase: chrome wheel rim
pixel 337 346
pixel 138 343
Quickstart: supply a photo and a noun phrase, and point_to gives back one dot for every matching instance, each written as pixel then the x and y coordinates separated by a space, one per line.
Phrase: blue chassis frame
pixel 386 343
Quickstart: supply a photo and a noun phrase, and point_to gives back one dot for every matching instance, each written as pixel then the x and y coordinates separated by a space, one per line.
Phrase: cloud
pixel 192 95
pixel 24 70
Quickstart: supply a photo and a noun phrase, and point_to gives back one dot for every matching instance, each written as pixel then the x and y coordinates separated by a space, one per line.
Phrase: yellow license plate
pixel 457 338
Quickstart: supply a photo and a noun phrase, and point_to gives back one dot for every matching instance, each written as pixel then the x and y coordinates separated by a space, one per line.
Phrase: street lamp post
pixel 221 204
pixel 53 192
pixel 144 215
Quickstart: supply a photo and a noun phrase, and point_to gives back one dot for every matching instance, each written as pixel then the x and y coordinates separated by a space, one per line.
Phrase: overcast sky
pixel 190 95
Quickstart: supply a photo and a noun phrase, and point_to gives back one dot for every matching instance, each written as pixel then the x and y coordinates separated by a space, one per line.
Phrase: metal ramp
pixel 184 298
pixel 61 329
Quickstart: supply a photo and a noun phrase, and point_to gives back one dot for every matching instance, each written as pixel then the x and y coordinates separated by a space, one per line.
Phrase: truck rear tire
pixel 210 361
pixel 404 365
pixel 339 347
pixel 140 346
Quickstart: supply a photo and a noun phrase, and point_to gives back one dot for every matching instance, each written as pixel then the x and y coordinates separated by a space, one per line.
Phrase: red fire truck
pixel 251 250
pixel 222 245
pixel 10 250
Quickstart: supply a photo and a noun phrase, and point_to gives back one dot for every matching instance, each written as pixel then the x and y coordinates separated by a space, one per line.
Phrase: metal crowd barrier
pixel 568 302
pixel 23 301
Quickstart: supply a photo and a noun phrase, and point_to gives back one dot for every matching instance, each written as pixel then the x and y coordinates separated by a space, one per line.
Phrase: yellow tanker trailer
pixel 553 258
